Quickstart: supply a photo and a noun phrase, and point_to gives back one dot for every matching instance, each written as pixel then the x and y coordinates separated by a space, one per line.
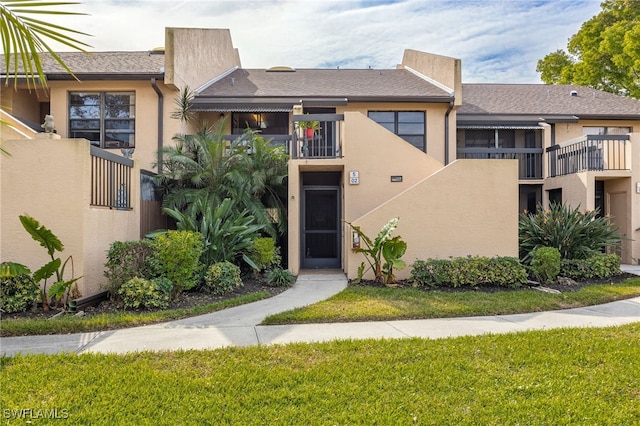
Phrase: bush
pixel 599 265
pixel 469 271
pixel 17 293
pixel 126 260
pixel 265 254
pixel 222 277
pixel 545 264
pixel 279 277
pixel 177 257
pixel 577 235
pixel 140 293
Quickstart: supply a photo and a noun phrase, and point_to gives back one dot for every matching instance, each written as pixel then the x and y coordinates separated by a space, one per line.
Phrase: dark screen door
pixel 321 227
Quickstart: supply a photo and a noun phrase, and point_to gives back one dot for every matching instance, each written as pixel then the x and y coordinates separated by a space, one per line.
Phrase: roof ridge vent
pixel 574 93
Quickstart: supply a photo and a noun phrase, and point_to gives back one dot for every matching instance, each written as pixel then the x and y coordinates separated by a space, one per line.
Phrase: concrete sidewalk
pixel 237 326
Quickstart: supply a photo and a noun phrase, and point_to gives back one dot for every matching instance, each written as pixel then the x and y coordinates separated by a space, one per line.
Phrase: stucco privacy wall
pixel 195 55
pixel 49 179
pixel 466 208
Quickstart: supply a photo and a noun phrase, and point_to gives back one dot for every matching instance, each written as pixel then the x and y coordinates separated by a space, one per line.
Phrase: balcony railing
pixel 589 153
pixel 110 180
pixel 529 159
pixel 324 142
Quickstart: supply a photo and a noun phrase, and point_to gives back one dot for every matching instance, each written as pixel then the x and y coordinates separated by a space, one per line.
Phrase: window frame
pixel 103 130
pixel 395 125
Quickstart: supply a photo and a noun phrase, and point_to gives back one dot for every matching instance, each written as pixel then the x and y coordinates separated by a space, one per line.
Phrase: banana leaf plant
pixel 55 266
pixel 383 247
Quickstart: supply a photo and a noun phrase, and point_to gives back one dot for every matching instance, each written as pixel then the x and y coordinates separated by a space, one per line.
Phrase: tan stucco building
pixel 456 163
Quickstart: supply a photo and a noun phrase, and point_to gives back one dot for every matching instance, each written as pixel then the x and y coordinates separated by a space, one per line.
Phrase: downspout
pixel 160 122
pixel 446 131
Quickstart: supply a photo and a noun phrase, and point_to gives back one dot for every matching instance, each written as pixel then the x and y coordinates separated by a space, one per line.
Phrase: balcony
pixel 529 159
pixel 323 142
pixel 589 153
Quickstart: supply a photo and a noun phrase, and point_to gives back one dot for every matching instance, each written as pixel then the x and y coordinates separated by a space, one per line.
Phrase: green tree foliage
pixel 603 54
pixel 248 170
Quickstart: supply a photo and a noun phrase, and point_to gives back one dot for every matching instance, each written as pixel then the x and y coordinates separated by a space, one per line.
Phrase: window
pixel 409 125
pixel 605 130
pixel 268 123
pixel 106 119
pixel 490 138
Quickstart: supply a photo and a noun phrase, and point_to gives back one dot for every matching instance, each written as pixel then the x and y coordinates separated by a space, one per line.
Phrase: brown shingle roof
pixel 116 63
pixel 507 99
pixel 344 83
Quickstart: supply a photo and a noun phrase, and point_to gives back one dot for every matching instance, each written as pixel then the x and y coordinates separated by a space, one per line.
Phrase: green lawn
pixel 557 377
pixel 383 304
pixel 73 324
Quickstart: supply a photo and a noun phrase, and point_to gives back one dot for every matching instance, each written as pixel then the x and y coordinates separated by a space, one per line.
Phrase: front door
pixel 321 227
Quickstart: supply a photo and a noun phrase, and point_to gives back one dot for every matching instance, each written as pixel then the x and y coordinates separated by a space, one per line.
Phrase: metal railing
pixel 529 159
pixel 324 142
pixel 588 153
pixel 110 180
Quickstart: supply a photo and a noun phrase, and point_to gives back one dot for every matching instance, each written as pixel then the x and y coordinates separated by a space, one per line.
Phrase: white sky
pixel 499 41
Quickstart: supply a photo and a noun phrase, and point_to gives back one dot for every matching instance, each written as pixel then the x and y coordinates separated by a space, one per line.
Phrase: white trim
pixel 215 79
pixel 447 89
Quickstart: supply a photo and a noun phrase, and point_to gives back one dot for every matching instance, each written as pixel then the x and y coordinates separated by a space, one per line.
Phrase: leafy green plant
pixel 176 256
pixel 279 277
pixel 545 264
pixel 55 266
pixel 598 265
pixel 139 293
pixel 469 271
pixel 383 247
pixel 265 253
pixel 125 260
pixel 222 277
pixel 227 234
pixel 17 292
pixel 575 234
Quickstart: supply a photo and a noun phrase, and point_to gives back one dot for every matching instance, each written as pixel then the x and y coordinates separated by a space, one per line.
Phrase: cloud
pixel 497 40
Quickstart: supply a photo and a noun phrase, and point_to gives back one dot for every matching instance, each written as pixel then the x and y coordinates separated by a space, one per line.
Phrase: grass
pixel 383 304
pixel 566 376
pixel 73 324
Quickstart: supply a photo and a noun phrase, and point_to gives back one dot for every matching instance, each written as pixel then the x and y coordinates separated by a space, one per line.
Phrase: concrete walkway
pixel 237 326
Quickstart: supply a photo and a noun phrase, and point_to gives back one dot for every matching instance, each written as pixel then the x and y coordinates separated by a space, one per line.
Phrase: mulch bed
pixel 252 284
pixel 185 300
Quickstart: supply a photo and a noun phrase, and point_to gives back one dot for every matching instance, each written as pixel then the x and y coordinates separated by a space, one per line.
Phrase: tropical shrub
pixel 470 271
pixel 575 234
pixel 140 293
pixel 227 234
pixel 278 277
pixel 17 293
pixel 222 277
pixel 545 264
pixel 384 247
pixel 55 266
pixel 125 260
pixel 598 265
pixel 249 170
pixel 176 256
pixel 265 254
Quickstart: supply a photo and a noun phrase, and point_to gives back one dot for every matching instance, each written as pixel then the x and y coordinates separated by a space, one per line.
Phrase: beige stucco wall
pixel 634 201
pixel 49 179
pixel 443 69
pixel 568 131
pixel 210 53
pixel 466 208
pixel 469 207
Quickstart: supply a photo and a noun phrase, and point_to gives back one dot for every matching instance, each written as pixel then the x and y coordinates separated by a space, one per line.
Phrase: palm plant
pixel 206 166
pixel 23 38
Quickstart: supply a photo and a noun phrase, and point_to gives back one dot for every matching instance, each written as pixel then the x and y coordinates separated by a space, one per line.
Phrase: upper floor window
pixel 605 130
pixel 409 125
pixel 489 138
pixel 106 119
pixel 268 123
